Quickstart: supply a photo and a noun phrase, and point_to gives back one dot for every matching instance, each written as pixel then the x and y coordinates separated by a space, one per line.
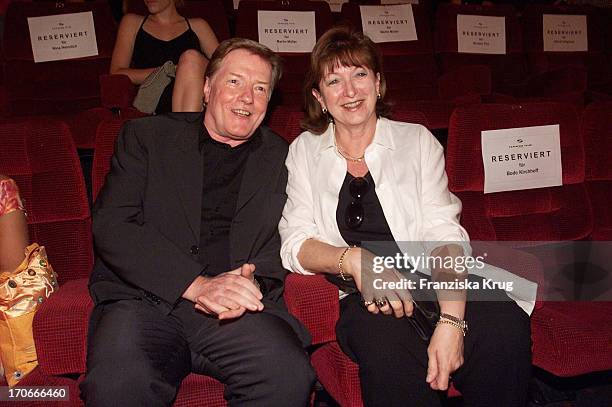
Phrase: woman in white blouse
pixel 356 177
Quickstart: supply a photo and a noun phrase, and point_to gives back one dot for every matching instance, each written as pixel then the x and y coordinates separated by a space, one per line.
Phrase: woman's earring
pixel 379 96
pixel 324 110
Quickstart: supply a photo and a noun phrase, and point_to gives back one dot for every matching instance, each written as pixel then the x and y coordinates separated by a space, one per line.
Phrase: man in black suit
pixel 189 277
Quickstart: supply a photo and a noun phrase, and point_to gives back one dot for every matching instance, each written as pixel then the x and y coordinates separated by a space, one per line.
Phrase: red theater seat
pixel 545 214
pixel 285 121
pixel 569 338
pixel 55 86
pixel 594 59
pixel 106 137
pixel 288 91
pixel 508 71
pixel 596 129
pixel 409 66
pixel 40 155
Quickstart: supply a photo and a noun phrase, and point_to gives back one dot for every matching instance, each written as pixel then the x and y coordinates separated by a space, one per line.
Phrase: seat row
pixel 428 74
pixel 569 338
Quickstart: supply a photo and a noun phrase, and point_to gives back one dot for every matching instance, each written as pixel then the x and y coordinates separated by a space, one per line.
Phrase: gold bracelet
pixel 453 323
pixel 340 262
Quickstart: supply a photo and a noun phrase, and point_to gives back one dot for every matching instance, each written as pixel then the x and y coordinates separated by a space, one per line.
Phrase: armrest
pixel 314 302
pixel 60 329
pixel 518 262
pixel 117 91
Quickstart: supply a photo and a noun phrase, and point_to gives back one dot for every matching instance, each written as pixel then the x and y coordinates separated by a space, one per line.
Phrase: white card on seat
pixel 565 33
pixel 521 158
pixel 388 23
pixel 481 34
pixel 63 36
pixel 287 31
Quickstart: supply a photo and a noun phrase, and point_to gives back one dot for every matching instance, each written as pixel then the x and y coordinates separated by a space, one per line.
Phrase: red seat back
pixel 54 86
pixel 40 155
pixel 596 129
pixel 508 71
pixel 594 59
pixel 285 121
pixel 289 89
pixel 545 214
pixel 409 66
pixel 106 137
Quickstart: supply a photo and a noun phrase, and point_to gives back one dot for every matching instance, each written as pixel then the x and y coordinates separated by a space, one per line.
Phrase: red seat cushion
pixel 572 338
pixel 199 390
pixel 314 302
pixel 38 378
pixel 60 329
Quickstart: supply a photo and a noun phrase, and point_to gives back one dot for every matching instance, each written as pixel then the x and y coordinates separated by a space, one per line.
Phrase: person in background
pixel 25 278
pixel 145 43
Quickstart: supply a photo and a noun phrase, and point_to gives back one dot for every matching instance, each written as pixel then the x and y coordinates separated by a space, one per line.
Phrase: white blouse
pixel 407 165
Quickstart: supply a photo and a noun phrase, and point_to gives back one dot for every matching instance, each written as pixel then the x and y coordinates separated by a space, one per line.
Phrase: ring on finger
pixel 381 302
pixel 367 303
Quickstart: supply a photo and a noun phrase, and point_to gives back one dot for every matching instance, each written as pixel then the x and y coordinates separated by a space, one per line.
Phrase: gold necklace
pixel 345 155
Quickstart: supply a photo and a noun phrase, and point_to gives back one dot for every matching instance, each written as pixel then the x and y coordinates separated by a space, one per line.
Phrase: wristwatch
pixel 452 320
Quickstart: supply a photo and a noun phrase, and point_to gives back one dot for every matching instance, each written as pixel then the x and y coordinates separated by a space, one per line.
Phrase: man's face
pixel 237 97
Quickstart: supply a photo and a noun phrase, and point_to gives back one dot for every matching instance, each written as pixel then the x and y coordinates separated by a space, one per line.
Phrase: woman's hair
pixel 339 46
pixel 251 46
pixel 179 3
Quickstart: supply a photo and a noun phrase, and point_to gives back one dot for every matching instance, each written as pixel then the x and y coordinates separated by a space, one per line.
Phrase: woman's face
pixel 349 93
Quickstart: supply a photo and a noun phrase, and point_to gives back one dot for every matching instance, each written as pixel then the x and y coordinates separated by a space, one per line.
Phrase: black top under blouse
pixel 373 229
pixel 374 226
pixel 151 52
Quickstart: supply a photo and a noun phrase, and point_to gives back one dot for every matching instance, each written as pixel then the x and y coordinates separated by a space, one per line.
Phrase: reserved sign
pixel 521 158
pixel 63 36
pixel 565 33
pixel 287 31
pixel 388 23
pixel 481 34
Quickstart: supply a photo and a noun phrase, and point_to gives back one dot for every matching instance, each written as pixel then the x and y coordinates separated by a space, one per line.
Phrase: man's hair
pixel 339 46
pixel 251 46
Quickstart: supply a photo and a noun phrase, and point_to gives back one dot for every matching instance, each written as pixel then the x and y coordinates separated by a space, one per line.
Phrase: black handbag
pixel 426 308
pixel 424 318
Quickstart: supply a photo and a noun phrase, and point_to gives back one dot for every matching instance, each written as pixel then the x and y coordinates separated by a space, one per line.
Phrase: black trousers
pixel 393 359
pixel 138 356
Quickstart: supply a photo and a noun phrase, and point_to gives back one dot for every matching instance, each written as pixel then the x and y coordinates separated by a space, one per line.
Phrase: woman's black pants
pixel 393 359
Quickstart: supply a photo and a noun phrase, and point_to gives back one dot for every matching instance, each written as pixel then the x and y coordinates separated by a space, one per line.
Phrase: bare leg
pixel 13 237
pixel 189 82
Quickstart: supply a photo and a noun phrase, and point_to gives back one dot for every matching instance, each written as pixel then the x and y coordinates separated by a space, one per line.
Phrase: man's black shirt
pixel 223 169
